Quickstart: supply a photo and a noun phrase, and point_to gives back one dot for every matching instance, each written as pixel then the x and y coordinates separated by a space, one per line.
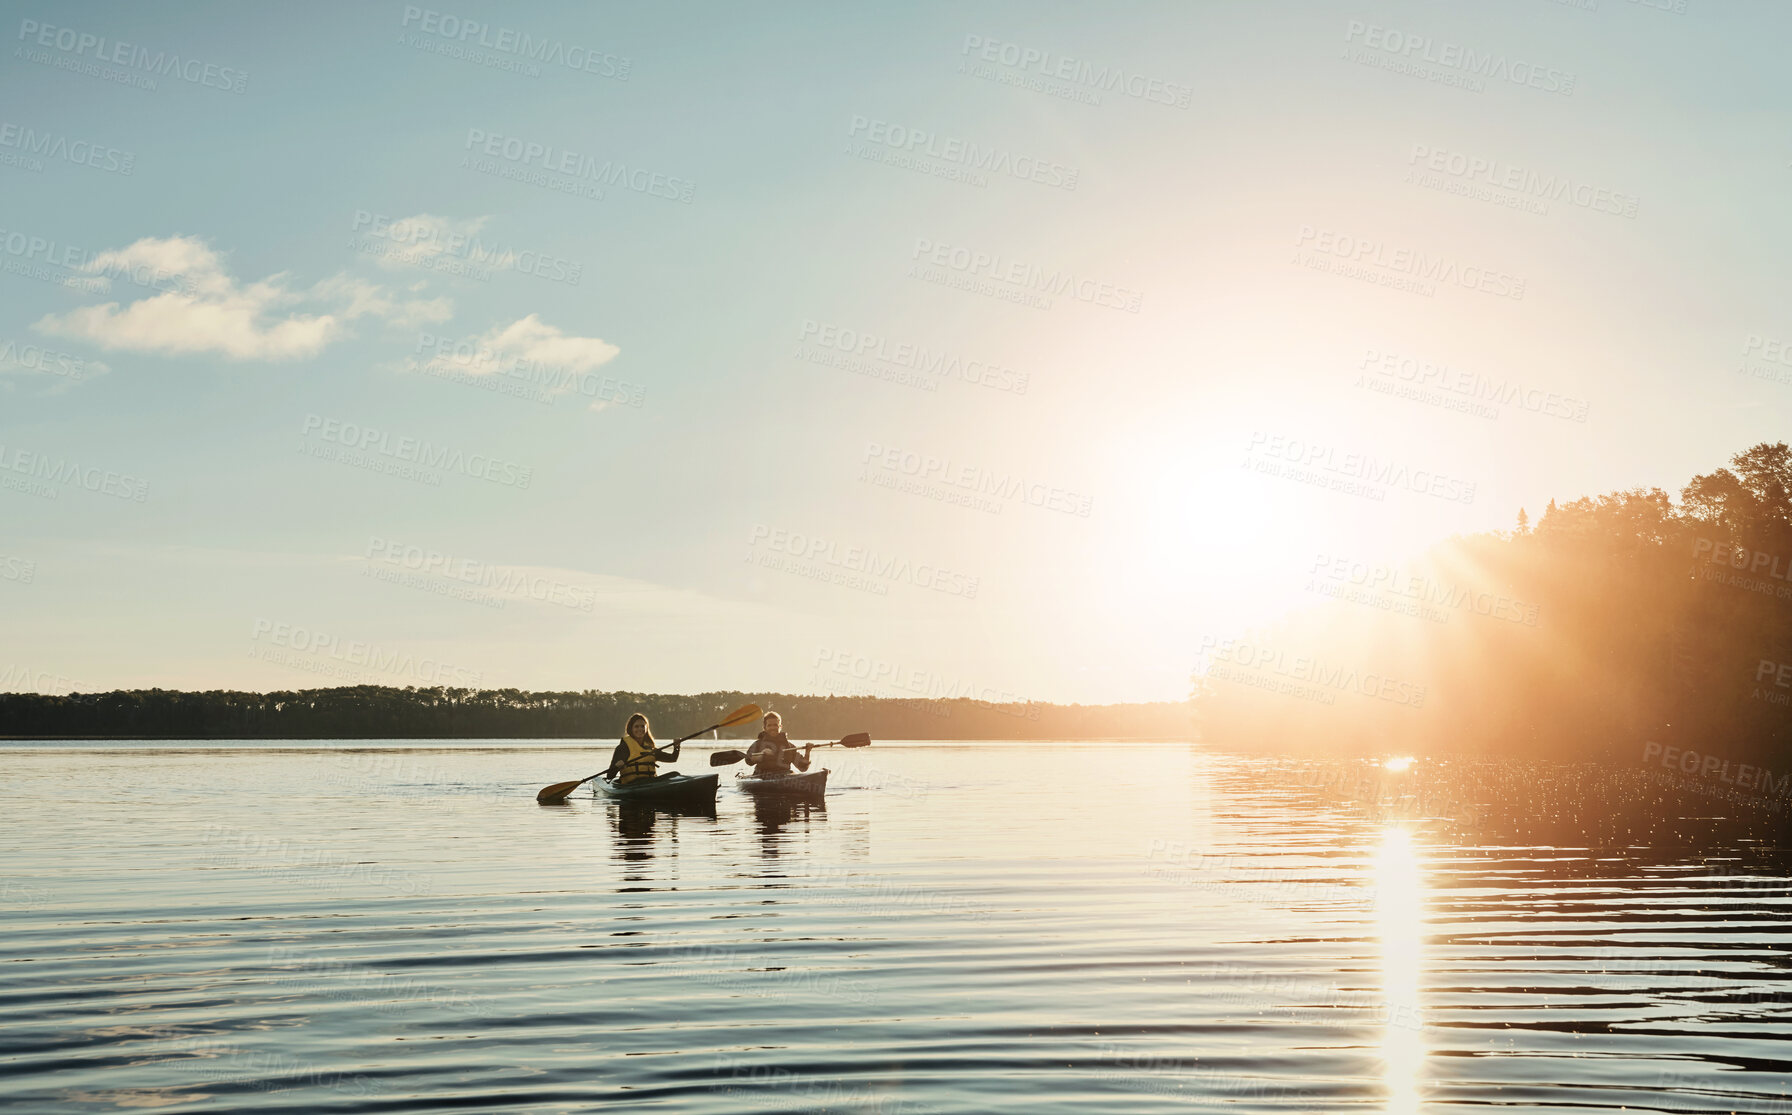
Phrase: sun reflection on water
pixel 1400 918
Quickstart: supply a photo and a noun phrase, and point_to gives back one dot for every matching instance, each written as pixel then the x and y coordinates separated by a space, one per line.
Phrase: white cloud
pixel 532 339
pixel 527 348
pixel 207 309
pixel 185 261
pixel 171 322
pixel 359 298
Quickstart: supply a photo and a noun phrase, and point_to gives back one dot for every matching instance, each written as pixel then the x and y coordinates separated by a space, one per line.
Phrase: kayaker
pixel 636 756
pixel 772 754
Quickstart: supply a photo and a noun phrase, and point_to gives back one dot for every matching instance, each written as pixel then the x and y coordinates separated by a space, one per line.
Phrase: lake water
pixel 961 928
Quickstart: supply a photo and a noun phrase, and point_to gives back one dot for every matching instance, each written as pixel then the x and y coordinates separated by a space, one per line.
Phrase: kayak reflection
pixel 775 813
pixel 640 829
pixel 634 832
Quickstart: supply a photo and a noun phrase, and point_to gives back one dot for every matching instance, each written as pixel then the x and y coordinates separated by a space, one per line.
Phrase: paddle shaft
pixel 675 744
pixel 858 739
pixel 727 758
pixel 558 791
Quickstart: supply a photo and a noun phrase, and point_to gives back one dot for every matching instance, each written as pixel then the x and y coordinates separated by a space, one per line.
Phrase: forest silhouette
pixel 1612 623
pixel 383 712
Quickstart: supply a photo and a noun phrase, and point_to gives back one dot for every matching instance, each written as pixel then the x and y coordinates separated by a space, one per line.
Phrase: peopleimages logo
pixel 1420 267
pixel 22 679
pixel 80 152
pixel 1767 358
pixel 17 569
pixel 886 676
pixel 34 472
pixel 98 48
pixel 469 361
pixel 88 275
pixel 36 358
pixel 910 356
pixel 921 143
pixel 1781 673
pixel 501 579
pixel 1260 659
pixel 1737 556
pixel 1360 466
pixel 861 560
pixel 532 157
pixel 371 443
pixel 1044 64
pixel 1767 348
pixel 1521 181
pixel 1745 775
pixel 422 244
pixel 1472 386
pixel 1379 578
pixel 1394 43
pixel 324 648
pixel 975 479
pixel 1024 276
pixel 521 44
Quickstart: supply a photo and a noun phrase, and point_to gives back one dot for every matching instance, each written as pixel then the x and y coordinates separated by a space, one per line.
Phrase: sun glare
pixel 1196 530
pixel 1400 920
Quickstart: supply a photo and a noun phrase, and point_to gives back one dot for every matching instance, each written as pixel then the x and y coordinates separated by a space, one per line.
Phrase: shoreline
pixel 568 740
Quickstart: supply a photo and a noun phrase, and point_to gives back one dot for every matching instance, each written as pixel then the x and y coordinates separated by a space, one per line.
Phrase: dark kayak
pixel 667 789
pixel 811 782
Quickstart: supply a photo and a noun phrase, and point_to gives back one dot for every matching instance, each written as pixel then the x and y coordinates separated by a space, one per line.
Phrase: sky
pixel 911 350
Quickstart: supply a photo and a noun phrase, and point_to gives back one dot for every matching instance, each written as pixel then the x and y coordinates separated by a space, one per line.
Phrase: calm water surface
pixel 399 927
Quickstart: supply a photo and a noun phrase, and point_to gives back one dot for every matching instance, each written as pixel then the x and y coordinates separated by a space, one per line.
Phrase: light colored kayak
pixel 667 789
pixel 812 783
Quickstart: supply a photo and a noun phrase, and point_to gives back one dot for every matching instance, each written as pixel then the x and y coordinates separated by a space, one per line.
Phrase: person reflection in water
pixel 772 754
pixel 637 756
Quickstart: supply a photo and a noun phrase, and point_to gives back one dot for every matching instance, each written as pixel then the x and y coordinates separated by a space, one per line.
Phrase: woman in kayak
pixel 772 753
pixel 635 757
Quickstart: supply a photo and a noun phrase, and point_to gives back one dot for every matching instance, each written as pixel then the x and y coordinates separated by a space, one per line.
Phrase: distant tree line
pixel 1614 623
pixel 379 712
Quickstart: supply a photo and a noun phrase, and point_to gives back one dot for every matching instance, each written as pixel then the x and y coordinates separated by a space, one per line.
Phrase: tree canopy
pixel 379 712
pixel 1610 622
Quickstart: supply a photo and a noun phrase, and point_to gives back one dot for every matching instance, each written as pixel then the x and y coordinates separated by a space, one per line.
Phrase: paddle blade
pixel 857 739
pixel 723 758
pixel 552 795
pixel 740 716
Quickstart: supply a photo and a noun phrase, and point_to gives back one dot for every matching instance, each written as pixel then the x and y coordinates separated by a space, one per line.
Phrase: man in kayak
pixel 772 754
pixel 636 756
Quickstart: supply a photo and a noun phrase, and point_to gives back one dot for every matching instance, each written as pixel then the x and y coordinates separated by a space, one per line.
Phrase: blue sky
pixel 801 423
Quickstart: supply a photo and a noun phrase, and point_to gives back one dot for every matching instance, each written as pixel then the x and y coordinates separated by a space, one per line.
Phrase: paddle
pixel 552 795
pixel 857 739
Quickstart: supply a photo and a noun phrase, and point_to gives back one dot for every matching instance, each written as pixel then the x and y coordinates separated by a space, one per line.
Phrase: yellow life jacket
pixel 639 762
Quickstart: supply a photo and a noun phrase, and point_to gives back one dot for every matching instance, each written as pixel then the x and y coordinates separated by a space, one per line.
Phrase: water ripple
pixel 954 929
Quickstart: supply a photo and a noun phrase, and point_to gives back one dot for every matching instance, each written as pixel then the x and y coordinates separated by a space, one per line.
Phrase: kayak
pixel 810 782
pixel 667 789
